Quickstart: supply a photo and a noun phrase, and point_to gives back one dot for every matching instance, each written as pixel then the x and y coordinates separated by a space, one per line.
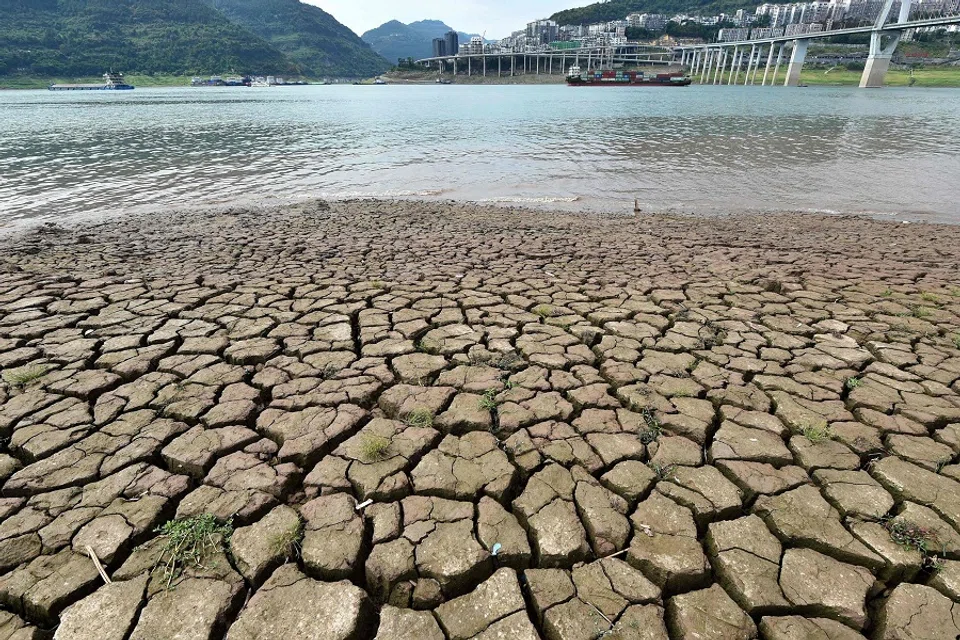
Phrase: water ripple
pixel 711 149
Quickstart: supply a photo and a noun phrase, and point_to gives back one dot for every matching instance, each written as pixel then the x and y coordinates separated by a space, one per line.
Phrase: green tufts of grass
pixel 288 543
pixel 888 293
pixel 488 400
pixel 920 312
pixel 817 433
pixel 374 448
pixel 853 383
pixel 914 537
pixel 419 418
pixel 930 297
pixel 377 284
pixel 663 472
pixel 188 542
pixel 543 310
pixel 508 362
pixel 956 341
pixel 429 346
pixel 22 376
pixel 653 430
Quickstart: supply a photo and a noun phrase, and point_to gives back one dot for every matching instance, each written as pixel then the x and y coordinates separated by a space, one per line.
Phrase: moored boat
pixel 111 82
pixel 610 78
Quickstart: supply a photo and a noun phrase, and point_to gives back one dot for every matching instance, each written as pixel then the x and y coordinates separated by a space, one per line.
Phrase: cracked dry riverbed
pixel 434 421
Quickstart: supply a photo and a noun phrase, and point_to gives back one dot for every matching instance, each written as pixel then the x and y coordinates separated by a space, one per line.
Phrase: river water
pixel 700 149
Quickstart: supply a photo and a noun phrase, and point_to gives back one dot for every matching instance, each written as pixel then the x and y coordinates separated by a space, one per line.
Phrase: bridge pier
pixel 484 66
pixel 735 71
pixel 718 76
pixel 796 63
pixel 776 69
pixel 469 66
pixel 878 61
pixel 750 63
pixel 756 65
pixel 766 69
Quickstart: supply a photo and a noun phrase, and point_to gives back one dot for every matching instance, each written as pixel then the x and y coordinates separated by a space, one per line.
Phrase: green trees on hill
pixel 73 38
pixel 618 9
pixel 306 34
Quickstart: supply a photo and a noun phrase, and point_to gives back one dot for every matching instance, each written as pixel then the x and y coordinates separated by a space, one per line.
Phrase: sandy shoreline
pixel 565 424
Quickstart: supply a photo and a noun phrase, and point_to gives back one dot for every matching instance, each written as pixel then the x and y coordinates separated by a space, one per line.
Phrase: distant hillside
pixel 394 40
pixel 87 37
pixel 308 35
pixel 618 9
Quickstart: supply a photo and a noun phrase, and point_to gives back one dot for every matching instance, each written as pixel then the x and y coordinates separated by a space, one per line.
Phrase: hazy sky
pixel 497 17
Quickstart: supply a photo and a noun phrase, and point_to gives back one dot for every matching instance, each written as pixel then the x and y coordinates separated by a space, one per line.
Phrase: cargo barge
pixel 576 78
pixel 111 82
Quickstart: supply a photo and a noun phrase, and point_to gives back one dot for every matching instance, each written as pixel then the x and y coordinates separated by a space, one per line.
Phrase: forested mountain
pixel 73 38
pixel 618 9
pixel 308 35
pixel 394 40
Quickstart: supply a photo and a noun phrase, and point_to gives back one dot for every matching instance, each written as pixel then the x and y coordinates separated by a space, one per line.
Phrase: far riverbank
pixel 933 77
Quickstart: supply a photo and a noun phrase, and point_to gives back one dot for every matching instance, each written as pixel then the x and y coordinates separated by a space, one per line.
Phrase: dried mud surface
pixel 449 422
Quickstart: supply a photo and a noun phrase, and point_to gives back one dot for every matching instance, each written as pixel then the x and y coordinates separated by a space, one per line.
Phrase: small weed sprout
pixel 920 312
pixel 374 448
pixel 288 543
pixel 329 371
pixel 956 341
pixel 188 542
pixel 853 383
pixel 914 537
pixel 488 400
pixel 817 433
pixel 543 310
pixel 887 293
pixel 422 418
pixel 662 471
pixel 653 429
pixel 508 362
pixel 429 346
pixel 377 284
pixel 22 376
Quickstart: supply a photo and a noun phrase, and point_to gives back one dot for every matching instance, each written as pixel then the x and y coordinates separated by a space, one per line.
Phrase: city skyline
pixel 498 18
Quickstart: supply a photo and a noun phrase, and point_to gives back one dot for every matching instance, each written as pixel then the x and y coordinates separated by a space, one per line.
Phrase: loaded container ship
pixel 576 78
pixel 111 82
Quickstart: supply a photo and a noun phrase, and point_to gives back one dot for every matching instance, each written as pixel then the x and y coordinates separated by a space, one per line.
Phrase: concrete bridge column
pixel 499 66
pixel 746 78
pixel 735 71
pixel 878 61
pixel 469 66
pixel 796 63
pixel 711 60
pixel 708 55
pixel 484 65
pixel 756 65
pixel 766 69
pixel 722 63
pixel 776 69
